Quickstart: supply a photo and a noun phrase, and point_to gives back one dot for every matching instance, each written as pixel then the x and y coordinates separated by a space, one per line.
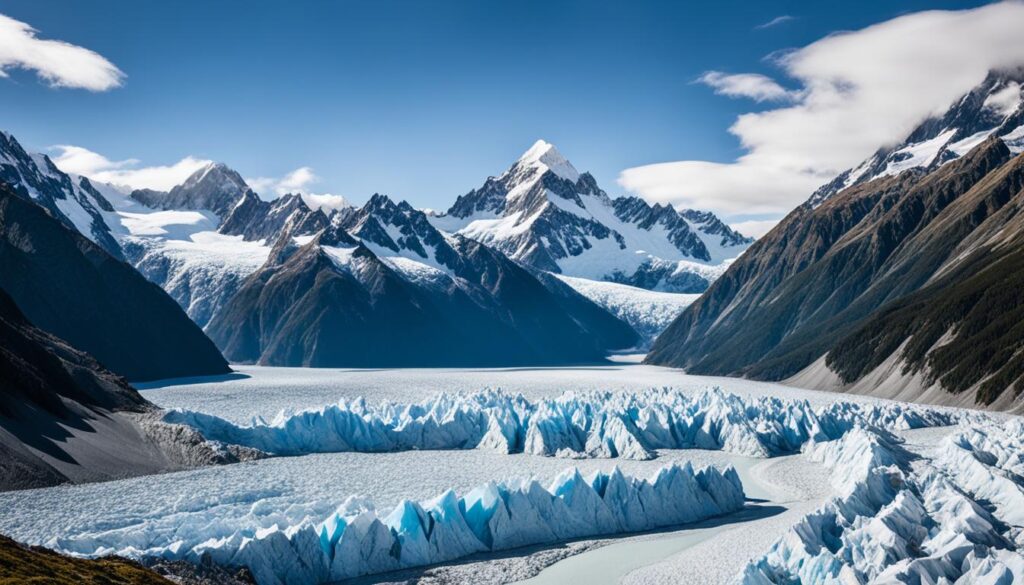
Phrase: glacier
pixel 631 425
pixel 956 517
pixel 356 540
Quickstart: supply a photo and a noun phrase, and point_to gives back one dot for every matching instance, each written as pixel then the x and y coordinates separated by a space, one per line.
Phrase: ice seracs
pixel 899 518
pixel 596 424
pixel 356 540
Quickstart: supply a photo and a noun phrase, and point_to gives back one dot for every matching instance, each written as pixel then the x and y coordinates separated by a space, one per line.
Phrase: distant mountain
pixel 202 238
pixel 905 285
pixel 543 213
pixel 382 287
pixel 214 188
pixel 72 288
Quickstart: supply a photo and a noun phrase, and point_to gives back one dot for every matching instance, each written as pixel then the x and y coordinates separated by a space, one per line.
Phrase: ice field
pixel 386 473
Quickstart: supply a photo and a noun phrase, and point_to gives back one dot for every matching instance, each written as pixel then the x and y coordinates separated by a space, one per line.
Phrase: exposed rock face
pixel 256 219
pixel 917 269
pixel 215 187
pixel 398 292
pixel 69 286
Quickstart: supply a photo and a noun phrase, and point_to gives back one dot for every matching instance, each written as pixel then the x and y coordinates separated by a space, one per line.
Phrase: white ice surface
pixel 647 311
pixel 265 391
pixel 287 491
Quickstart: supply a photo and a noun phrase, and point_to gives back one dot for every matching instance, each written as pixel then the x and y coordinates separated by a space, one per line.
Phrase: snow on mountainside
pixel 203 238
pixel 902 286
pixel 75 203
pixel 337 300
pixel 198 241
pixel 993 108
pixel 544 213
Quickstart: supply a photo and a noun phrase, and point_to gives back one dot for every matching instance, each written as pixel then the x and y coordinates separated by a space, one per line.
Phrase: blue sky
pixel 419 100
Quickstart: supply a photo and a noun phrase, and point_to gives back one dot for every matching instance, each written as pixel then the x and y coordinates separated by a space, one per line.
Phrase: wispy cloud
pixel 58 63
pixel 858 91
pixel 749 85
pixel 775 22
pixel 126 173
pixel 297 181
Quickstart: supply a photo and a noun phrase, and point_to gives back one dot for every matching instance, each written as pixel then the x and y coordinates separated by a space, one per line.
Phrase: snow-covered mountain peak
pixel 545 157
pixel 992 108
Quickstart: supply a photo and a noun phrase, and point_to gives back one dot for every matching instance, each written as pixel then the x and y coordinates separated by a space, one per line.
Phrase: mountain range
pixel 278 282
pixel 901 278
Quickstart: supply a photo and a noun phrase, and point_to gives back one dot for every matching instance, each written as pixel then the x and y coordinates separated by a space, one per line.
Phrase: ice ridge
pixel 591 424
pixel 356 540
pixel 955 519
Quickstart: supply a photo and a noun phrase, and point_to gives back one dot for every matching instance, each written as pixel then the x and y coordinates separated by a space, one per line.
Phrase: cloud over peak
pixel 297 181
pixel 858 91
pixel 59 63
pixel 127 173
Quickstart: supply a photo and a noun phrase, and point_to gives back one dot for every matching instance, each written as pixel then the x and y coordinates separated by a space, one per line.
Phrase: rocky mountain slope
pixel 71 287
pixel 382 287
pixel 65 418
pixel 903 285
pixel 24 564
pixel 544 213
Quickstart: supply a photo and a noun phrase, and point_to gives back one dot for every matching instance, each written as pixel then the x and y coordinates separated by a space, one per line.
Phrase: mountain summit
pixel 545 157
pixel 544 213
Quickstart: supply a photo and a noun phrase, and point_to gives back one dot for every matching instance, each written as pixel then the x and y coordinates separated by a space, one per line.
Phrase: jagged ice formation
pixel 592 424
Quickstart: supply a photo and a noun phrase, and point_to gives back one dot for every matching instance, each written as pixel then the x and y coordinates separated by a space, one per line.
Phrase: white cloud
pixel 325 201
pixel 297 181
pixel 58 63
pixel 755 228
pixel 775 22
pixel 859 91
pixel 750 85
pixel 127 173
pixel 82 161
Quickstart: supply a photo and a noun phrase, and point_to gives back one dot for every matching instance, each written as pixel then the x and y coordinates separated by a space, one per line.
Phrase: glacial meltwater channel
pixel 609 564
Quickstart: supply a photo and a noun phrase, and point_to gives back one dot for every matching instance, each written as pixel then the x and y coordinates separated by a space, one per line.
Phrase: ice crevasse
pixel 957 518
pixel 589 424
pixel 355 540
